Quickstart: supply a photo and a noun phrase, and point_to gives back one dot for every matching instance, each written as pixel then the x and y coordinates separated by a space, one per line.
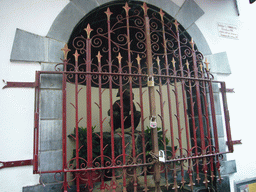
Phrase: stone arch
pixel 47 49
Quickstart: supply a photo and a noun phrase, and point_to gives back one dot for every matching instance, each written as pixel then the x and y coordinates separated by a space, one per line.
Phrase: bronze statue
pixel 126 109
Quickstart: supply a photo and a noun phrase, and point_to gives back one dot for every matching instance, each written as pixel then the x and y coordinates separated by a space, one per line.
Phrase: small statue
pixel 126 109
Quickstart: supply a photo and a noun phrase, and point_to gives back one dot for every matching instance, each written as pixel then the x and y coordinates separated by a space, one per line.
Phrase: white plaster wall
pixel 241 54
pixel 17 105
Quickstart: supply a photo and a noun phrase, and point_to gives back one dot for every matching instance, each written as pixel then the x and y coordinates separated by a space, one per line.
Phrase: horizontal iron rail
pixel 129 74
pixel 135 165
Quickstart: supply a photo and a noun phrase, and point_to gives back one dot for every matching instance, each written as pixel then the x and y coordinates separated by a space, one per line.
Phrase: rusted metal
pixel 138 50
pixel 6 164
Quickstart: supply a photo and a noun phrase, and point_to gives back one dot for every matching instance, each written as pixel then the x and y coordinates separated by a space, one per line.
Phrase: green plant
pixel 148 140
pixel 82 135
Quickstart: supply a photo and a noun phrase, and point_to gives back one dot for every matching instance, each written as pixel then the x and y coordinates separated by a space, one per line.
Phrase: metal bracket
pixel 19 85
pixel 230 90
pixel 15 163
pixel 235 142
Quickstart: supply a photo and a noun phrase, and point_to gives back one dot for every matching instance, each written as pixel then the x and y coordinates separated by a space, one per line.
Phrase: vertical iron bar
pixel 36 123
pixel 64 125
pixel 167 67
pixel 183 95
pixel 198 99
pixel 214 123
pixel 109 13
pixel 151 91
pixel 89 107
pixel 178 121
pixel 227 118
pixel 102 186
pixel 198 102
pixel 131 94
pixel 127 8
pixel 64 116
pixel 206 115
pixel 76 55
pixel 142 124
pixel 190 92
pixel 160 89
pixel 122 120
pixel 162 118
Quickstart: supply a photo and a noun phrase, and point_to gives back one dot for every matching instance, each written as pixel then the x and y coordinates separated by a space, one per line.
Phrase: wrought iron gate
pixel 164 105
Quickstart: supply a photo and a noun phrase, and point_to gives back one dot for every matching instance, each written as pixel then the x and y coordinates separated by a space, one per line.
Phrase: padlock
pixel 151 82
pixel 161 156
pixel 153 123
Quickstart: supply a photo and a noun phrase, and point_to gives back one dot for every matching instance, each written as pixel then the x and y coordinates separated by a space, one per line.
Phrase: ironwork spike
pixel 126 8
pixel 138 59
pixel 76 55
pixel 145 8
pixel 108 13
pixel 206 64
pixel 173 62
pixel 176 25
pixel 65 50
pixel 161 14
pixel 99 56
pixel 88 30
pixel 201 67
pixel 119 57
pixel 158 61
pixel 187 64
pixel 192 43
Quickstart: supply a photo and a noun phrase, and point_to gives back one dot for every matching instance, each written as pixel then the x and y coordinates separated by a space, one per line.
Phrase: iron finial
pixel 126 8
pixel 108 13
pixel 173 62
pixel 119 57
pixel 187 64
pixel 176 25
pixel 138 59
pixel 99 56
pixel 76 55
pixel 145 8
pixel 192 44
pixel 206 64
pixel 65 50
pixel 158 61
pixel 161 14
pixel 88 29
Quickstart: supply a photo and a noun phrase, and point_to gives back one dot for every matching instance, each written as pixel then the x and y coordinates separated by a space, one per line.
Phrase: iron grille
pixel 164 103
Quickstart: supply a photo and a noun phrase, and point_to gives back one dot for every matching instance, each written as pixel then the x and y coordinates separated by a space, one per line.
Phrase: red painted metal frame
pixel 200 156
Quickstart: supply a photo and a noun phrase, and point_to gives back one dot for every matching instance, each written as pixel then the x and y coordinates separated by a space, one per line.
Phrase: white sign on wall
pixel 228 31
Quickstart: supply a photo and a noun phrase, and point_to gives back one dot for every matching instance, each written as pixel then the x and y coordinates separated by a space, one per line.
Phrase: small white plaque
pixel 228 31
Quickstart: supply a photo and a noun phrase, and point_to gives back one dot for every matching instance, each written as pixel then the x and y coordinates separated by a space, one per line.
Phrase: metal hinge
pixel 15 163
pixel 230 90
pixel 235 142
pixel 19 84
